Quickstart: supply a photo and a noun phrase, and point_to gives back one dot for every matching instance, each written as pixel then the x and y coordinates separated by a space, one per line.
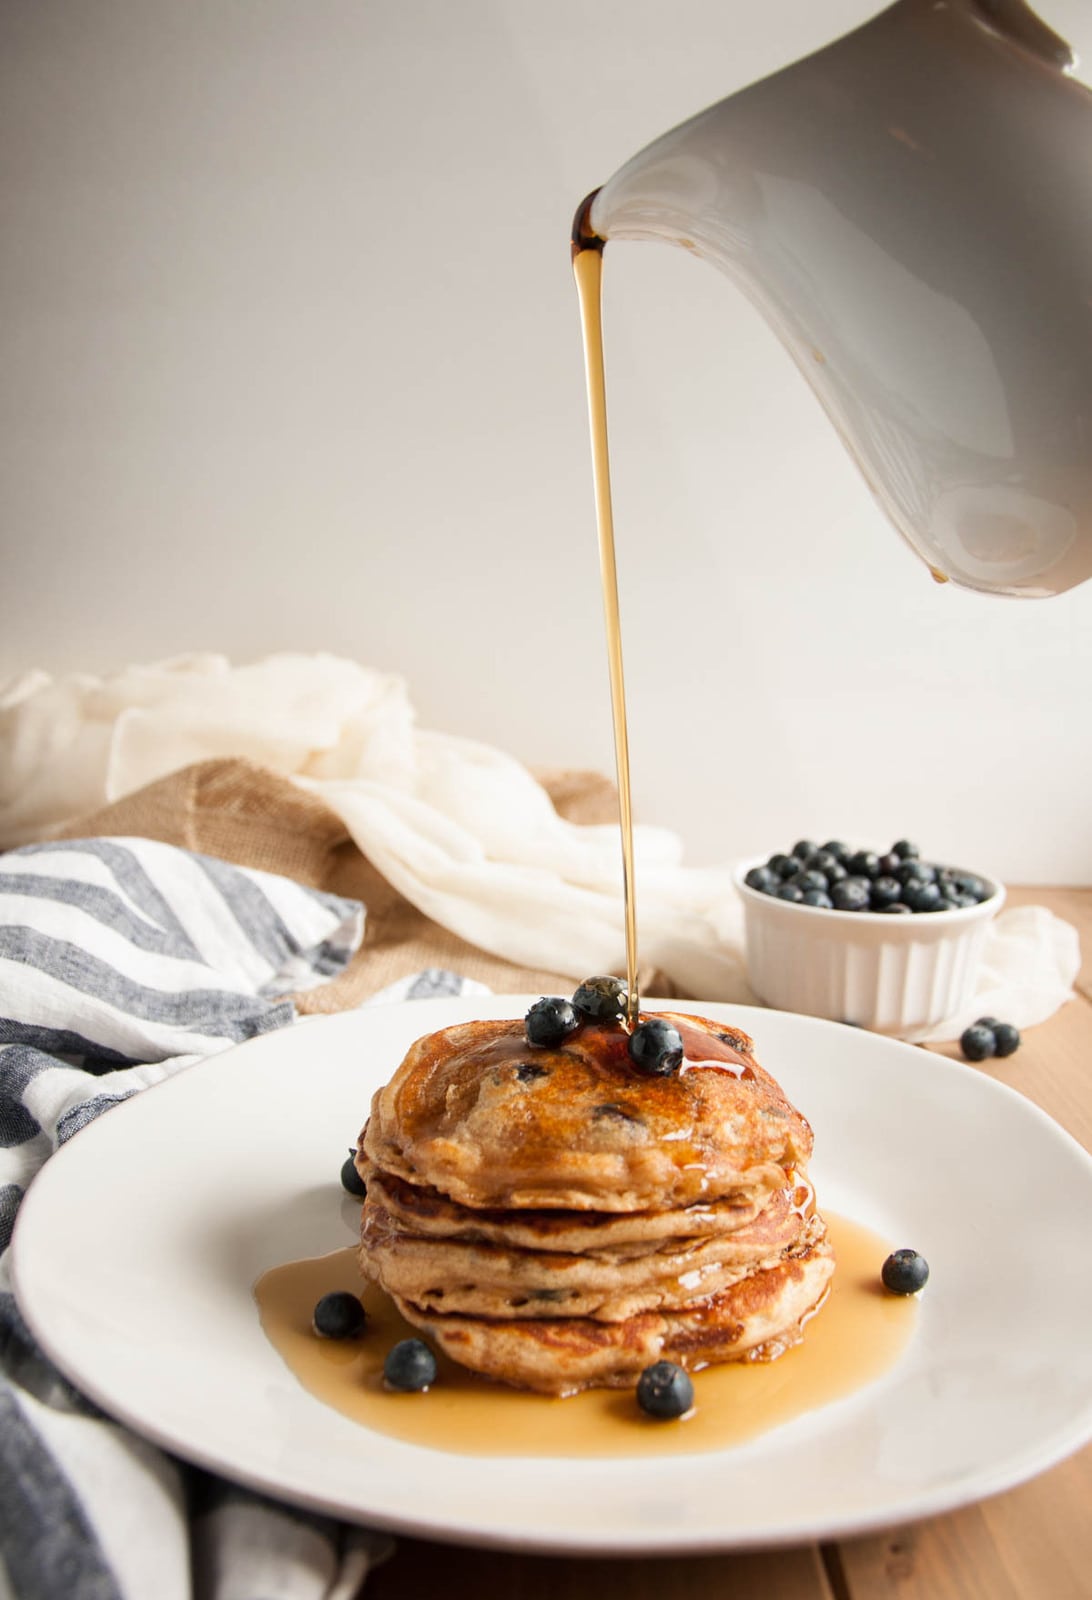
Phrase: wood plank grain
pixel 951 1558
pixel 425 1571
pixel 1033 1543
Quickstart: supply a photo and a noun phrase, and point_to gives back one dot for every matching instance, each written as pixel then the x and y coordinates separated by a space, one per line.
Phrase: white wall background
pixel 290 360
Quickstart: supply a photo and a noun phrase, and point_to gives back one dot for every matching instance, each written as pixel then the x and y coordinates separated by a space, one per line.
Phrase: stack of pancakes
pixel 554 1219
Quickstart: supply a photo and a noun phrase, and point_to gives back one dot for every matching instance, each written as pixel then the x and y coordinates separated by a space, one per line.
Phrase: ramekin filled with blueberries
pixel 887 940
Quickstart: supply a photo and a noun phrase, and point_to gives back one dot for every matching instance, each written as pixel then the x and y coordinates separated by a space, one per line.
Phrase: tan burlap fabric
pixel 244 813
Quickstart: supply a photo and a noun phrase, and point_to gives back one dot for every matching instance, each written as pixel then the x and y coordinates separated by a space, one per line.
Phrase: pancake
pixel 554 1218
pixel 429 1213
pixel 490 1280
pixel 756 1319
pixel 491 1121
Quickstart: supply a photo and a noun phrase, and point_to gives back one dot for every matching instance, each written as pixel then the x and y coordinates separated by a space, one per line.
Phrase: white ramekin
pixel 894 975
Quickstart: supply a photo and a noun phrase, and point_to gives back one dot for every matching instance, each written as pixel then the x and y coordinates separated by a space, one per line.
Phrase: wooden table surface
pixel 1032 1543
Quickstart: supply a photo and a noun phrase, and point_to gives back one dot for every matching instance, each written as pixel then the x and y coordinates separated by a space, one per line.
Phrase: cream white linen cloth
pixel 462 830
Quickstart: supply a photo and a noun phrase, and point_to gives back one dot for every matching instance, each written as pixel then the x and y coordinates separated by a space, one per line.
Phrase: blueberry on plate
pixel 601 998
pixel 864 864
pixel 338 1315
pixel 549 1021
pixel 899 907
pixel 905 1272
pixel 351 1181
pixel 978 1043
pixel 905 850
pixel 803 848
pixel 410 1366
pixel 664 1391
pixel 784 866
pixel 818 897
pixel 656 1047
pixel 791 891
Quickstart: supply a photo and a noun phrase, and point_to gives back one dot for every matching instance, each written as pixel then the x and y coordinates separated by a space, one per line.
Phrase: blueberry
pixel 921 896
pixel 818 897
pixel 884 892
pixel 602 998
pixel 836 848
pixel 899 907
pixel 978 1043
pixel 338 1316
pixel 803 848
pixel 764 879
pixel 915 872
pixel 947 903
pixel 826 862
pixel 783 866
pixel 905 850
pixel 864 864
pixel 410 1366
pixel 970 884
pixel 850 895
pixel 664 1391
pixel 889 864
pixel 1007 1038
pixel 351 1181
pixel 656 1047
pixel 988 1037
pixel 790 891
pixel 807 879
pixel 549 1021
pixel 905 1272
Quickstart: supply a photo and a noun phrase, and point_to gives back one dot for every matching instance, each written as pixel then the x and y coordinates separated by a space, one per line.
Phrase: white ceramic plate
pixel 137 1246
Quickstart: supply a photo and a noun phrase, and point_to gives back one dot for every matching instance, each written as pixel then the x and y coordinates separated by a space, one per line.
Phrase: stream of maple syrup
pixel 588 271
pixel 857 1335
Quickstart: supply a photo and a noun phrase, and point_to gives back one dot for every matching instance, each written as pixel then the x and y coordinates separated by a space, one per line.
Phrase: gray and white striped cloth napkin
pixel 122 961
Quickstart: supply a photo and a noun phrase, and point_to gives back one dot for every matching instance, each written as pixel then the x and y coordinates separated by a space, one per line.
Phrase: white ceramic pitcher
pixel 911 210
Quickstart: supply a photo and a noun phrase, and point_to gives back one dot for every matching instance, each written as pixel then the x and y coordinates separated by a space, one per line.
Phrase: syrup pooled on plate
pixel 857 1337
